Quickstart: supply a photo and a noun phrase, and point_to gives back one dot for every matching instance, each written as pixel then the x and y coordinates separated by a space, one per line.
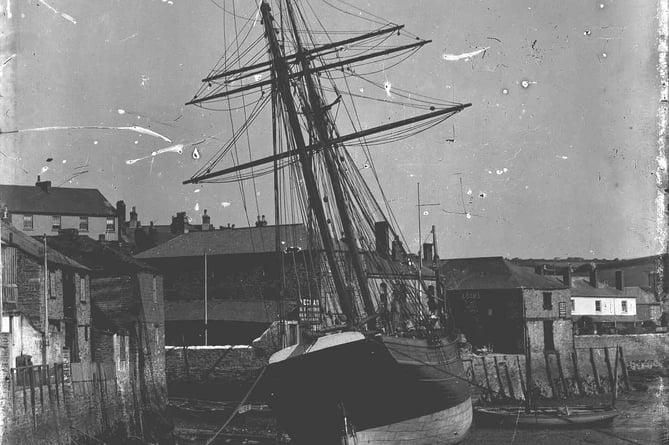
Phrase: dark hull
pixel 394 391
pixel 577 417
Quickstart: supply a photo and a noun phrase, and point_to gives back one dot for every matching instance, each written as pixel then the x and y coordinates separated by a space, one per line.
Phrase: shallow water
pixel 643 419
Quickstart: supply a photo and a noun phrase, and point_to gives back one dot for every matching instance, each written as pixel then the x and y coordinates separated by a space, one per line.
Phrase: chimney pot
pixel 566 277
pixel 620 280
pixel 594 277
pixel 539 270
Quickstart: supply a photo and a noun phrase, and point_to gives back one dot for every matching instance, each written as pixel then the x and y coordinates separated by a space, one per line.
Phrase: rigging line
pixel 351 14
pixel 412 93
pixel 386 101
pixel 248 143
pixel 371 160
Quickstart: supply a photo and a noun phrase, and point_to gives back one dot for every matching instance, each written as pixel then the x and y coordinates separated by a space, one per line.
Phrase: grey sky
pixel 561 165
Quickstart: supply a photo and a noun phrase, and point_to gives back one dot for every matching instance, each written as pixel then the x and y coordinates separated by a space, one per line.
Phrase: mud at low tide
pixel 643 420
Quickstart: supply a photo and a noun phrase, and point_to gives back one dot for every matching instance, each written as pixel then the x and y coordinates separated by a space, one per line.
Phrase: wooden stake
pixel 615 379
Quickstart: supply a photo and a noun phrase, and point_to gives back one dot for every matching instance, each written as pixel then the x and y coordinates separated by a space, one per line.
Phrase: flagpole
pixel 206 279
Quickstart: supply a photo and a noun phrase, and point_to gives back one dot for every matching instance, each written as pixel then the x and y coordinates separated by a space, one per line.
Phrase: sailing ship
pixel 378 367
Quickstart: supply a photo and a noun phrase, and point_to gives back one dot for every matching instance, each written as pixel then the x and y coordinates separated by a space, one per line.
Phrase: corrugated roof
pixel 229 242
pixel 580 287
pixel 96 255
pixel 58 201
pixel 492 273
pixel 14 237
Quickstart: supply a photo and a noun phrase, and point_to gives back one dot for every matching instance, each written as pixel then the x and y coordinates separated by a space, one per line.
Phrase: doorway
pixel 549 343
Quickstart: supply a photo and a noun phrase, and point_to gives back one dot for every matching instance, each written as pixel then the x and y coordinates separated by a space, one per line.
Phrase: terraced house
pixel 45 210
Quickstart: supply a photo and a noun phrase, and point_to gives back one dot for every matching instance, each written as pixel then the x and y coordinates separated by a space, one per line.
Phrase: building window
pixel 121 346
pixel 27 222
pixel 624 305
pixel 155 289
pixel 110 225
pixel 85 332
pixel 548 301
pixel 55 223
pixel 598 305
pixel 83 291
pixel 83 223
pixel 562 309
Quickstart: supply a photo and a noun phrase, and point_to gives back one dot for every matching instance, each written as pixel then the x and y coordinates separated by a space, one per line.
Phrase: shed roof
pixel 492 273
pixel 13 237
pixel 236 241
pixel 96 255
pixel 57 201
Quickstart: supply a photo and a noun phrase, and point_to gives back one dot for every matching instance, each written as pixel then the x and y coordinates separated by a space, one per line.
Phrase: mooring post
pixel 615 379
pixel 595 373
pixel 487 380
pixel 607 358
pixel 549 375
pixel 499 378
pixel 577 375
pixel 520 376
pixel 623 365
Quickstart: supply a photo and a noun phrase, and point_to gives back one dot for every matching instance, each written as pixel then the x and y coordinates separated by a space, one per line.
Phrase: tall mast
pixel 322 125
pixel 315 200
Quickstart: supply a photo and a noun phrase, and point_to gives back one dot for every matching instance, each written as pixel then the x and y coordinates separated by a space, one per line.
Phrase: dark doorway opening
pixel 549 343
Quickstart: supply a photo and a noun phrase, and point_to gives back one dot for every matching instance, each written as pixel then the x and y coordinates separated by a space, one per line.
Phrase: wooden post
pixel 607 358
pixel 549 375
pixel 563 382
pixel 499 379
pixel 487 380
pixel 623 365
pixel 615 379
pixel 579 383
pixel 520 376
pixel 595 373
pixel 512 393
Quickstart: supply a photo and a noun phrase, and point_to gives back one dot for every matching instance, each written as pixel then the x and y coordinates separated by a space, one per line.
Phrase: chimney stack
pixel 206 221
pixel 566 276
pixel 120 214
pixel 382 238
pixel 427 253
pixel 133 223
pixel 397 249
pixel 593 276
pixel 539 270
pixel 44 185
pixel 620 280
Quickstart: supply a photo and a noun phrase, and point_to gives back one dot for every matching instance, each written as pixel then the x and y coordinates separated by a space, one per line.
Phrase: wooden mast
pixel 315 200
pixel 323 126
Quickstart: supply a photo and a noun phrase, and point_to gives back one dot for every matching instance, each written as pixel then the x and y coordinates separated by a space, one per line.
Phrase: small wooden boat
pixel 559 416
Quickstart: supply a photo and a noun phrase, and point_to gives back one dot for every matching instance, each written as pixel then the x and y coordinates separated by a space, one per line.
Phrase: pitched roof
pixel 58 201
pixel 643 295
pixel 13 237
pixel 96 255
pixel 581 288
pixel 229 242
pixel 492 273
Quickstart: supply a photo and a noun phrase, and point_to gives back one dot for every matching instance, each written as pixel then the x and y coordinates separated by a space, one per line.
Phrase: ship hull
pixel 392 391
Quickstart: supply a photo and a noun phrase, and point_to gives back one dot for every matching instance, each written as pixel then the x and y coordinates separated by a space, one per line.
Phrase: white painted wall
pixel 609 306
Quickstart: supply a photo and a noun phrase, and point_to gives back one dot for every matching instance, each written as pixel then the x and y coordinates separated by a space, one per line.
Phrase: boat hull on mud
pixel 574 417
pixel 392 390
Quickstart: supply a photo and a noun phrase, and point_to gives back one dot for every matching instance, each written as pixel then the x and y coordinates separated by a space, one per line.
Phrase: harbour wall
pixel 589 368
pixel 65 403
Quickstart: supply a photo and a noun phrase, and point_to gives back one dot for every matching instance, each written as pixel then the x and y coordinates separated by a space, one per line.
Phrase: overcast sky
pixel 558 149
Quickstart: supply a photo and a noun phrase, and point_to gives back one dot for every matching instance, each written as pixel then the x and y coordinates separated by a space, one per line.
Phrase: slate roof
pixel 13 237
pixel 492 273
pixel 236 241
pixel 58 201
pixel 643 295
pixel 96 255
pixel 581 288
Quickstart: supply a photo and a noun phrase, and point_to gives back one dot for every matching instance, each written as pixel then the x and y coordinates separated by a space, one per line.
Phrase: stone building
pixel 128 308
pixel 242 284
pixel 45 210
pixel 495 304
